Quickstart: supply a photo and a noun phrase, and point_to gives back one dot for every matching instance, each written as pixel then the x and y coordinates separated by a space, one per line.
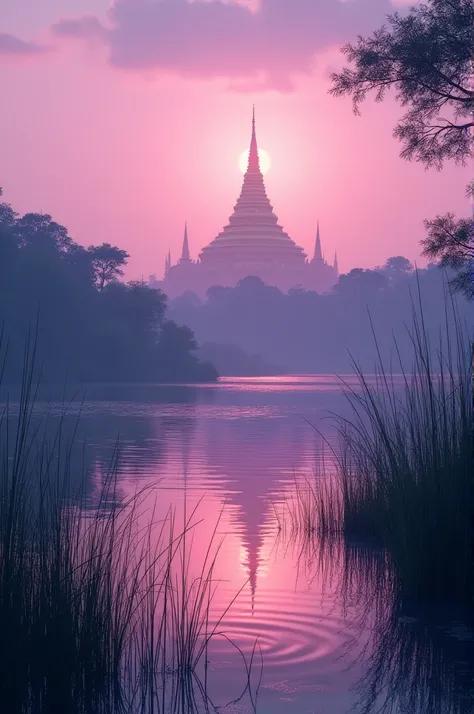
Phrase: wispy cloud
pixel 213 38
pixel 14 46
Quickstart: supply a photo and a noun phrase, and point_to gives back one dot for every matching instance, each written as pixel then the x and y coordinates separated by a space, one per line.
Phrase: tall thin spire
pixel 253 235
pixel 254 163
pixel 336 264
pixel 185 251
pixel 318 253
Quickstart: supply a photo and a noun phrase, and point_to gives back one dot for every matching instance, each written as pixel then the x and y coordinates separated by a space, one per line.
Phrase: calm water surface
pixel 236 448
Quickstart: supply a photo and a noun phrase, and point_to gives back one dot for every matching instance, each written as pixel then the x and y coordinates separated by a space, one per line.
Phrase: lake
pixel 234 451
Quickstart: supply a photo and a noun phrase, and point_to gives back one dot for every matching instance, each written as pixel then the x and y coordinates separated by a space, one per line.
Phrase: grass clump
pixel 405 474
pixel 100 610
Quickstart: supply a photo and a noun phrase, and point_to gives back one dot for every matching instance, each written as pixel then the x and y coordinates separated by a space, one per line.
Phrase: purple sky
pixel 124 119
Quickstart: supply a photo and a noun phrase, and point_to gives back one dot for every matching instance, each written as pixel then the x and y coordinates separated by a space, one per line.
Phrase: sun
pixel 263 157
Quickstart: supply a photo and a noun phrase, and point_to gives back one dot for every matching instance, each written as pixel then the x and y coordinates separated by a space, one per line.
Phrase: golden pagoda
pixel 253 237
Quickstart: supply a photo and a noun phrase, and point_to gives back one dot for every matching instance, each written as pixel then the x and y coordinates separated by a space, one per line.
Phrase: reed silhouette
pixel 404 475
pixel 100 610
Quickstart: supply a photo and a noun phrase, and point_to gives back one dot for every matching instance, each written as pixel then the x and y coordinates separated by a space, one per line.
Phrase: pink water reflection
pixel 238 457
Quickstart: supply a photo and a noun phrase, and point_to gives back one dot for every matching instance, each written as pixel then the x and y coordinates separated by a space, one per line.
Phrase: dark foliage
pixel 107 261
pixel 451 241
pixel 396 269
pixel 425 56
pixel 91 327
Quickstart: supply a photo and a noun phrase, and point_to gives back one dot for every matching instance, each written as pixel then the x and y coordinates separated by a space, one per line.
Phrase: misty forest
pixel 303 332
pixel 89 325
pixel 105 329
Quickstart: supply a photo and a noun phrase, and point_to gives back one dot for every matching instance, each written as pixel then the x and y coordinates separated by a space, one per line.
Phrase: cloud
pixel 82 27
pixel 214 38
pixel 13 46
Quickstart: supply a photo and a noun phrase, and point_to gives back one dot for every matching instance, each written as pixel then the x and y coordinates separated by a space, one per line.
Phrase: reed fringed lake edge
pixel 403 479
pixel 98 613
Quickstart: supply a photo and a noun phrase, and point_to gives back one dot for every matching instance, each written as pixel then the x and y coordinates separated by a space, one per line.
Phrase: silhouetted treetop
pixel 396 268
pixel 425 56
pixel 107 262
pixel 360 283
pixel 8 217
pixel 451 241
pixel 40 231
pixel 92 326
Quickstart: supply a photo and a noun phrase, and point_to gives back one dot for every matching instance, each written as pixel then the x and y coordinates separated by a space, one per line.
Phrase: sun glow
pixel 263 157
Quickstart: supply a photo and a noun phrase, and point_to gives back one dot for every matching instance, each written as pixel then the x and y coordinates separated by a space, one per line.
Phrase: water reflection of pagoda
pixel 252 243
pixel 253 459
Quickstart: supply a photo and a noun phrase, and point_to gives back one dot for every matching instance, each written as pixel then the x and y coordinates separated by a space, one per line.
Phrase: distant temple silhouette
pixel 251 244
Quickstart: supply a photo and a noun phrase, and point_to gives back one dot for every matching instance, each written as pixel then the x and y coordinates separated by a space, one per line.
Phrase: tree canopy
pixel 425 56
pixel 107 262
pixel 397 268
pixel 91 326
pixel 451 241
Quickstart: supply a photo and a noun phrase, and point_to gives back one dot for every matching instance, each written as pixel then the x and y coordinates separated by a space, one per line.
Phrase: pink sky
pixel 124 119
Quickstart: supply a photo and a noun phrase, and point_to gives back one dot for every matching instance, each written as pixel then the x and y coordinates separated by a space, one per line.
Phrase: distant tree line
pixel 307 332
pixel 90 325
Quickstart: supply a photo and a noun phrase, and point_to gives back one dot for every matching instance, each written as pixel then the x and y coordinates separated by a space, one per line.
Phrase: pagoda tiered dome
pixel 252 244
pixel 253 235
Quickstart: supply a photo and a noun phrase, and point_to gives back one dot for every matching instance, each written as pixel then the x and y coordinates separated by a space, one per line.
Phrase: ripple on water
pixel 294 630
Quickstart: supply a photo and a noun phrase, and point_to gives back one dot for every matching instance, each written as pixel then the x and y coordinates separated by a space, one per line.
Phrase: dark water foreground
pixel 321 618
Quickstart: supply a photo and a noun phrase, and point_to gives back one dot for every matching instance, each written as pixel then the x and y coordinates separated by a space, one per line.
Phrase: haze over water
pixel 236 449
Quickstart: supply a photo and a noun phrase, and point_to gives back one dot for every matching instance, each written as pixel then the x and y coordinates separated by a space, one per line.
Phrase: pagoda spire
pixel 254 162
pixel 253 234
pixel 318 253
pixel 185 251
pixel 336 264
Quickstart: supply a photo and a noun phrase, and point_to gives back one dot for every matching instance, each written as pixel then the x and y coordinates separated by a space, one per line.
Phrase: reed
pixel 314 507
pixel 98 612
pixel 404 474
